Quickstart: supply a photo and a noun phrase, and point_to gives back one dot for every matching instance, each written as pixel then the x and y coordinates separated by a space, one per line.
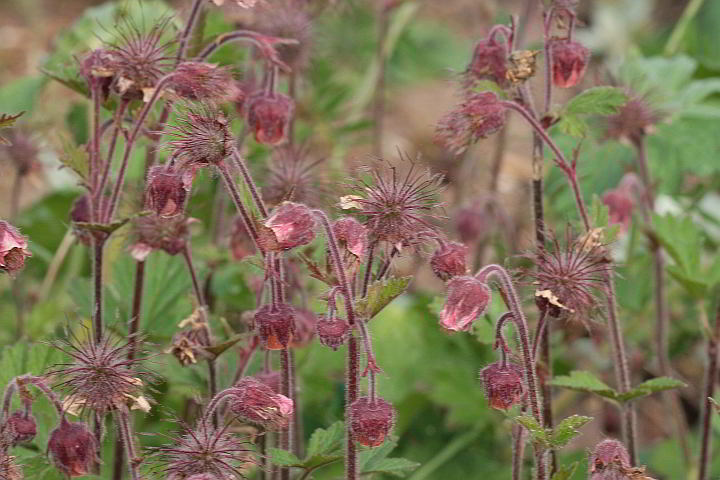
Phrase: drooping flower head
pixel 569 62
pixel 153 232
pixel 287 19
pixel 13 249
pixel 397 207
pixel 275 325
pixel 206 450
pixel 478 116
pixel 632 121
pixel 476 220
pixel 371 420
pixel 166 191
pixel 449 260
pixel 489 62
pixel 200 81
pixel 332 331
pixel 621 200
pixel 20 427
pixel 504 385
pixel 269 115
pixel 289 225
pixel 99 376
pixel 72 448
pixel 259 404
pixel 353 239
pixel 467 299
pixel 22 151
pixel 138 59
pixel 610 460
pixel 567 275
pixel 292 176
pixel 202 137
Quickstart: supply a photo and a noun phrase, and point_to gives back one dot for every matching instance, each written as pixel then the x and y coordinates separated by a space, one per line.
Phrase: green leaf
pixel 565 472
pixel 76 158
pixel 284 458
pixel 537 432
pixel 593 101
pixel 380 294
pixel 583 381
pixel 326 441
pixel 567 430
pixel 217 349
pixel 7 121
pixel 600 216
pixel 398 467
pixel 651 386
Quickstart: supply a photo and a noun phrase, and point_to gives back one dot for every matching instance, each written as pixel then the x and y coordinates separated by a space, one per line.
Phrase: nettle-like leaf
pixel 567 430
pixel 649 387
pixel 600 216
pixel 537 433
pixel 7 121
pixel 583 381
pixel 284 458
pixel 328 441
pixel 76 158
pixel 375 460
pixel 380 294
pixel 565 472
pixel 593 101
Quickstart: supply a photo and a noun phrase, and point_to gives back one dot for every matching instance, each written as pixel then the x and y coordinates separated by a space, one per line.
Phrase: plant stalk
pixel 711 378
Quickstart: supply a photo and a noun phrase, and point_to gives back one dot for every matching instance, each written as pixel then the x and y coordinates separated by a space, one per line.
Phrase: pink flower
pixel 167 190
pixel 258 404
pixel 449 260
pixel 269 114
pixel 352 235
pixel 72 448
pixel 478 116
pixel 504 385
pixel 489 62
pixel 13 248
pixel 290 225
pixel 275 325
pixel 621 200
pixel 609 460
pixel 468 298
pixel 569 62
pixel 332 332
pixel 371 421
pixel 20 426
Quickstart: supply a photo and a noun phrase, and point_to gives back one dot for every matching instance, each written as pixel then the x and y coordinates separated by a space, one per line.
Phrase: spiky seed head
pixel 449 260
pixel 332 331
pixel 633 121
pixel 20 427
pixel 153 232
pixel 489 62
pixel 201 137
pixel 258 404
pixel 199 81
pixel 467 299
pixel 99 375
pixel 206 450
pixel 241 244
pixel 289 225
pixel 72 448
pixel 22 151
pixel 478 116
pixel 13 249
pixel 504 385
pixel 398 208
pixel 293 176
pixel 275 325
pixel 269 116
pixel 569 62
pixel 371 420
pixel 167 190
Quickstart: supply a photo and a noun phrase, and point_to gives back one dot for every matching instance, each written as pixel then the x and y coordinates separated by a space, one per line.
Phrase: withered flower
pixel 153 232
pixel 478 116
pixel 202 137
pixel 13 249
pixel 504 385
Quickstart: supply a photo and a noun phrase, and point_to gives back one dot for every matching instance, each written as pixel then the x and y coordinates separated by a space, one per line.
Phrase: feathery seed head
pixel 202 137
pixel 478 116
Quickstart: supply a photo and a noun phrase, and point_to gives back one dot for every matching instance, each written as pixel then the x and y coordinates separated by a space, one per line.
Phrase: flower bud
pixel 258 404
pixel 275 325
pixel 569 62
pixel 489 62
pixel 80 212
pixel 99 68
pixel 332 332
pixel 72 448
pixel 13 248
pixel 269 115
pixel 504 385
pixel 167 190
pixel 449 260
pixel 610 461
pixel 290 225
pixel 20 427
pixel 467 299
pixel 371 421
pixel 351 235
pixel 153 232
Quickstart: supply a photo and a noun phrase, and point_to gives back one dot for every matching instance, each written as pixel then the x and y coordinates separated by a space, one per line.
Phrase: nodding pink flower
pixel 475 220
pixel 504 385
pixel 20 427
pixel 13 249
pixel 258 404
pixel 290 225
pixel 569 62
pixel 371 421
pixel 72 448
pixel 609 460
pixel 467 299
pixel 99 68
pixel 201 137
pixel 305 322
pixel 167 190
pixel 621 200
pixel 332 332
pixel 489 62
pixel 352 237
pixel 202 81
pixel 272 379
pixel 478 116
pixel 269 115
pixel 275 325
pixel 153 232
pixel 241 244
pixel 450 260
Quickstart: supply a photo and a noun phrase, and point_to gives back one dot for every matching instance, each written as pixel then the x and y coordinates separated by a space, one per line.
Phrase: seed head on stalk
pixel 201 137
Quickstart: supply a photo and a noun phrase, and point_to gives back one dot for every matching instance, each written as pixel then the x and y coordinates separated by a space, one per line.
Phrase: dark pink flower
pixel 290 225
pixel 332 332
pixel 569 62
pixel 609 460
pixel 621 200
pixel 475 220
pixel 272 379
pixel 258 404
pixel 202 81
pixel 275 325
pixel 72 448
pixel 20 427
pixel 352 236
pixel 371 421
pixel 449 260
pixel 467 299
pixel 153 232
pixel 478 116
pixel 269 115
pixel 167 190
pixel 13 249
pixel 504 385
pixel 489 62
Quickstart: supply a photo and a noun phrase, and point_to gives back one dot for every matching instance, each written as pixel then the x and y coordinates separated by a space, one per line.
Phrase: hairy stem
pixel 122 419
pixel 97 310
pixel 711 376
pixel 237 200
pixel 250 183
pixel 286 433
pixel 187 31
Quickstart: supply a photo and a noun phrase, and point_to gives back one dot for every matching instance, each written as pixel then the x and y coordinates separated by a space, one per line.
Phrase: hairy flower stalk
pixel 711 375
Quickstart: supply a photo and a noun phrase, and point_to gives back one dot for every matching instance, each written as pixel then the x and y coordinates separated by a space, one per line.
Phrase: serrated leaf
pixel 108 227
pixel 593 101
pixel 567 430
pixel 326 441
pixel 583 381
pixel 565 472
pixel 651 386
pixel 380 294
pixel 537 432
pixel 398 467
pixel 284 458
pixel 76 158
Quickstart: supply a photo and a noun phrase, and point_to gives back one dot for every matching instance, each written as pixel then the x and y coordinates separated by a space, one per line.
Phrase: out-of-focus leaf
pixel 375 460
pixel 326 441
pixel 583 381
pixel 283 458
pixel 567 430
pixel 217 349
pixel 651 386
pixel 22 93
pixel 76 158
pixel 565 472
pixel 593 101
pixel 380 294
